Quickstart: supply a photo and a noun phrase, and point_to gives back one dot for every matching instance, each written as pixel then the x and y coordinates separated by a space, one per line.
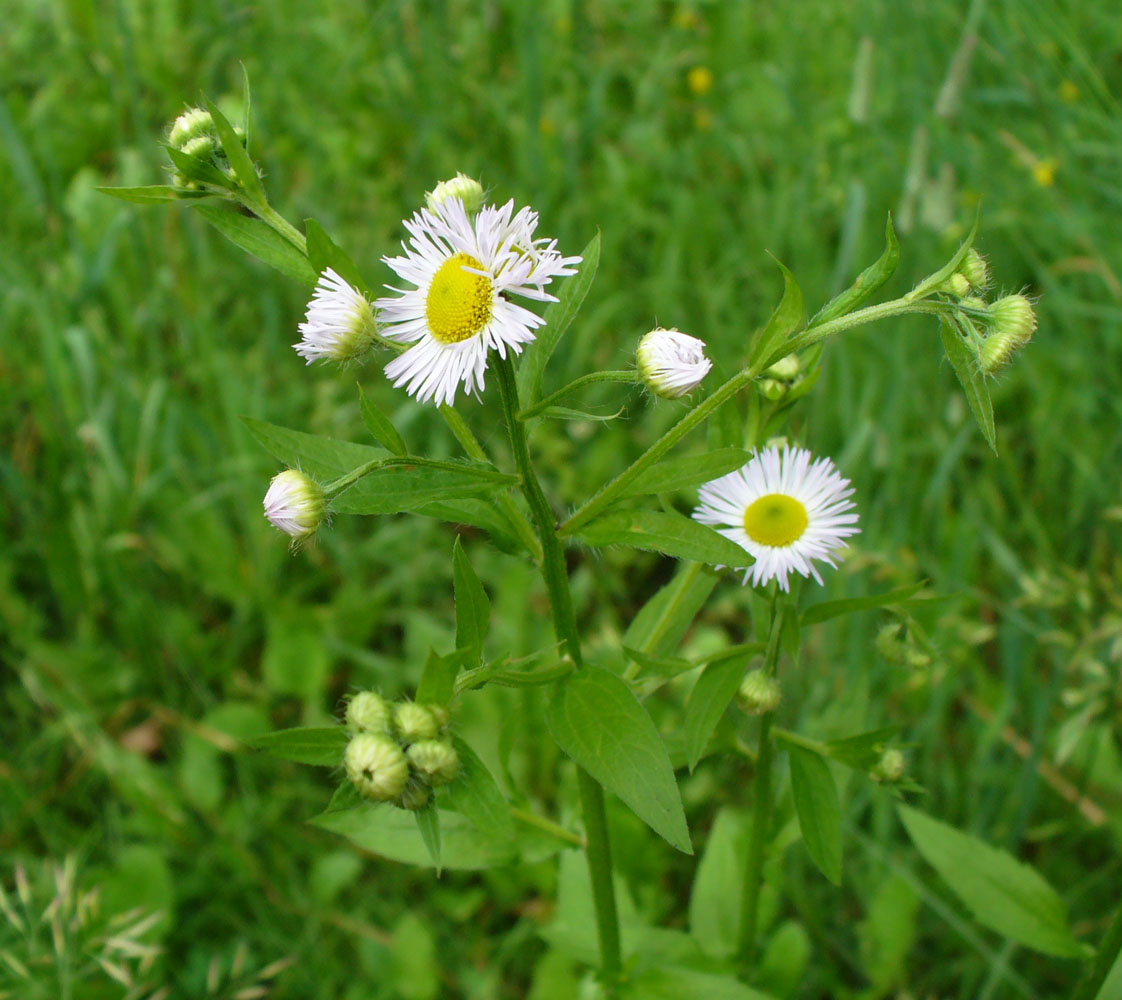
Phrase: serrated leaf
pixel 868 281
pixel 825 610
pixel 321 746
pixel 236 155
pixel 596 720
pixel 473 609
pixel 862 751
pixel 711 695
pixel 150 194
pixel 786 319
pixel 557 317
pixel 324 253
pixel 689 470
pixel 972 380
pixel 260 240
pixel 428 823
pixel 714 909
pixel 1004 894
pixel 406 487
pixel 818 810
pixel 475 794
pixel 664 619
pixel 379 426
pixel 438 677
pixel 320 457
pixel 670 534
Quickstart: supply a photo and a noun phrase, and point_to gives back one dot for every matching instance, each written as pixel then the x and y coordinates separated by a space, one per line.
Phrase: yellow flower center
pixel 775 520
pixel 458 305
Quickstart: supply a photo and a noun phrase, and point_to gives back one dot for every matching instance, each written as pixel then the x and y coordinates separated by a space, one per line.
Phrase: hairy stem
pixel 579 383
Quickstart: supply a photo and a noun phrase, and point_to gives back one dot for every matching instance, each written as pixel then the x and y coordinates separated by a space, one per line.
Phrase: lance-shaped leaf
pixel 412 483
pixel 473 609
pixel 264 242
pixel 816 805
pixel 379 425
pixel 868 281
pixel 664 619
pixel 596 720
pixel 973 382
pixel 825 610
pixel 438 677
pixel 710 697
pixel 320 746
pixel 658 531
pixel 475 794
pixel 686 471
pixel 320 457
pixel 786 319
pixel 234 148
pixel 428 825
pixel 150 194
pixel 324 253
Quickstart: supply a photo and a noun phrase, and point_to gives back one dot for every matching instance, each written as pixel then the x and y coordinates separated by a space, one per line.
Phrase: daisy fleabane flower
pixel 463 270
pixel 671 363
pixel 339 325
pixel 294 503
pixel 785 508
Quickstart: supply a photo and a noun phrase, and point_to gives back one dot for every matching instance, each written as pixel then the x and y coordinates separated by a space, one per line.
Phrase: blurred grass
pixel 149 615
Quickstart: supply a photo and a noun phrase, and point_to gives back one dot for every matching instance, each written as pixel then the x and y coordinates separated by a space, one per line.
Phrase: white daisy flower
pixel 784 509
pixel 671 363
pixel 464 269
pixel 339 325
pixel 294 503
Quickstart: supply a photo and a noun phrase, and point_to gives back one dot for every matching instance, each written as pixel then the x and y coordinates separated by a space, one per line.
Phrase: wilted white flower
pixel 339 325
pixel 295 504
pixel 464 269
pixel 671 363
pixel 785 509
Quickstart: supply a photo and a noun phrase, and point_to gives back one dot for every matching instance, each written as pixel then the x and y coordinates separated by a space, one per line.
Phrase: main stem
pixel 598 849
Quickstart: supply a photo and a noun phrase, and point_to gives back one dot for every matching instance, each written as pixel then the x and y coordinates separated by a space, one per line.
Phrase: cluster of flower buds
pixel 1002 327
pixel 295 504
pixel 759 693
pixel 193 134
pixel 399 752
pixel 671 363
pixel 899 648
pixel 780 378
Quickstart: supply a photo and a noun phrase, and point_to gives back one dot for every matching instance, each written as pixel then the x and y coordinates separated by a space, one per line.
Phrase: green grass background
pixel 149 616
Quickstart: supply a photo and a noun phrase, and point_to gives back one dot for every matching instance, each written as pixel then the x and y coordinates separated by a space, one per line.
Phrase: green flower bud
pixel 889 645
pixel 193 123
pixel 367 712
pixel 466 189
pixel 772 389
pixel 917 659
pixel 376 766
pixel 973 302
pixel 786 369
pixel 201 147
pixel 415 722
pixel 957 285
pixel 890 768
pixel 973 268
pixel 415 795
pixel 436 760
pixel 1011 323
pixel 295 504
pixel 442 716
pixel 759 693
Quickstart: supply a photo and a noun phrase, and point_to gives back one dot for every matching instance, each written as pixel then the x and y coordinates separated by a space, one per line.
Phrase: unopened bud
pixel 889 645
pixel 772 389
pixel 973 268
pixel 759 693
pixel 295 504
pixel 436 760
pixel 367 712
pixel 466 189
pixel 890 768
pixel 671 363
pixel 415 795
pixel 1011 323
pixel 193 123
pixel 376 766
pixel 415 722
pixel 957 285
pixel 201 147
pixel 786 369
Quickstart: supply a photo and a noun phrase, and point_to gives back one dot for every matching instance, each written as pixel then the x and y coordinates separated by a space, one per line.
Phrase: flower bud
pixel 772 389
pixel 193 123
pixel 339 324
pixel 415 722
pixel 973 268
pixel 367 712
pixel 436 760
pixel 295 504
pixel 890 768
pixel 1011 323
pixel 376 766
pixel 759 693
pixel 415 795
pixel 671 363
pixel 889 646
pixel 786 369
pixel 957 285
pixel 201 147
pixel 466 189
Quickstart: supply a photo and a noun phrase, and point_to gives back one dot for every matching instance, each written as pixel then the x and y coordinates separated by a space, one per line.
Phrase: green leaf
pixel 323 253
pixel 861 752
pixel 689 470
pixel 660 666
pixel 664 619
pixel 473 609
pixel 596 720
pixel 711 695
pixel 557 317
pixel 392 833
pixel 476 513
pixel 949 268
pixel 197 168
pixel 973 382
pixel 715 897
pixel 319 457
pixel 295 659
pixel 438 677
pixel 345 797
pixel 789 635
pixel 406 487
pixel 237 156
pixel 868 281
pixel 475 794
pixel 428 823
pixel 671 534
pixel 676 982
pixel 816 805
pixel 379 426
pixel 1003 893
pixel 825 610
pixel 152 193
pixel 786 319
pixel 320 746
pixel 256 238
pixel 568 413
